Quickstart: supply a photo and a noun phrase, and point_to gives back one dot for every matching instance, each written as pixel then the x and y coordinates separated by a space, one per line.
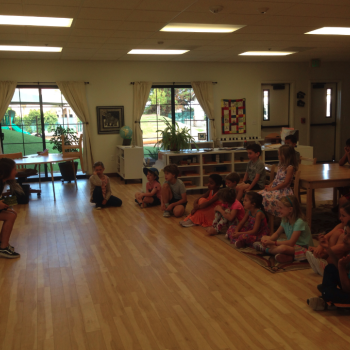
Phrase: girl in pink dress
pixel 228 212
pixel 203 208
pixel 254 224
pixel 280 186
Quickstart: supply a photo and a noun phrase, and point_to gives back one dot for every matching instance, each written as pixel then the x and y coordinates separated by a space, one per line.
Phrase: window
pixel 174 104
pixel 31 118
pixel 329 103
pixel 266 104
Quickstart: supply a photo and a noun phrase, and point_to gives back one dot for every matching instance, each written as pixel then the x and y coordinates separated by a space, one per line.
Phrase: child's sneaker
pixel 259 247
pixel 8 253
pixel 10 247
pixel 187 223
pixel 166 214
pixel 98 207
pixel 317 304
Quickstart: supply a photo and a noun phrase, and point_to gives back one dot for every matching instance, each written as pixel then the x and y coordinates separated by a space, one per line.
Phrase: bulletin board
pixel 233 116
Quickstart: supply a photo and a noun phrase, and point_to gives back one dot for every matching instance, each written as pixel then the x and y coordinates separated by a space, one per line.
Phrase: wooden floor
pixel 126 278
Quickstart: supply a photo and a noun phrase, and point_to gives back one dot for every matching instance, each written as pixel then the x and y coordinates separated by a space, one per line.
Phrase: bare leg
pixel 285 253
pixel 147 200
pixel 211 231
pixel 138 197
pixel 9 218
pixel 240 190
pixel 178 210
pixel 167 194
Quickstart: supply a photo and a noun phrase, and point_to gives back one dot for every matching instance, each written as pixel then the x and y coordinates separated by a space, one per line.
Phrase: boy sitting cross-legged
pixel 174 198
pixel 254 178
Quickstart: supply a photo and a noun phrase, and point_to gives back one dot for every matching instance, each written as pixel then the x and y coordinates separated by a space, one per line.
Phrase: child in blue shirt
pixel 297 230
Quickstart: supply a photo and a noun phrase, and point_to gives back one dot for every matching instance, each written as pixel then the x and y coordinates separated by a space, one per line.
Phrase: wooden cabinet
pixel 129 162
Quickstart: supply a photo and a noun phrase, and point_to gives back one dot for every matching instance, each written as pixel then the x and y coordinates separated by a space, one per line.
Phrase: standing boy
pixel 174 198
pixel 291 140
pixel 255 176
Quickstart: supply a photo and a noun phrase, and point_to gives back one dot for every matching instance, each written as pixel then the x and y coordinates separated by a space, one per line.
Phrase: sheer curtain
pixel 141 93
pixel 75 94
pixel 204 93
pixel 7 89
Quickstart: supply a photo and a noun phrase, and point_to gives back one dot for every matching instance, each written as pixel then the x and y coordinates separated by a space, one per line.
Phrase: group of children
pixel 220 211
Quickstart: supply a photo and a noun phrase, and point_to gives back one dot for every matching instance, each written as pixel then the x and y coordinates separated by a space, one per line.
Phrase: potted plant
pixel 174 138
pixel 70 138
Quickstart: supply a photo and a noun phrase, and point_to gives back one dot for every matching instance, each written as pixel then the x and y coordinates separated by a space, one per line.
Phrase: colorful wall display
pixel 233 116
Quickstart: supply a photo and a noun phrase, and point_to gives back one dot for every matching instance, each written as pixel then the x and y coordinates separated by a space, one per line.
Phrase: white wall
pixel 110 86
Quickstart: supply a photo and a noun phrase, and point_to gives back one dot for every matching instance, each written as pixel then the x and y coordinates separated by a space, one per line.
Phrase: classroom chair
pixel 78 150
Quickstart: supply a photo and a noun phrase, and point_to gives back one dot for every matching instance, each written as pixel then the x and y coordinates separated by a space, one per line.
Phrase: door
pixel 275 108
pixel 323 121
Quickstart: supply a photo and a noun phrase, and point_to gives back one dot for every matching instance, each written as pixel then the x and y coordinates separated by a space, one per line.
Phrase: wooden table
pixel 35 159
pixel 321 176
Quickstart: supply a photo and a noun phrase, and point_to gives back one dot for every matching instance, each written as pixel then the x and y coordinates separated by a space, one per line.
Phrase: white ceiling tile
pixel 12 36
pixel 165 5
pixel 274 29
pixel 71 3
pixel 50 11
pixel 162 58
pixel 187 43
pixel 46 38
pixel 132 34
pixel 241 19
pixel 143 26
pixel 54 31
pixel 309 10
pixel 11 9
pixel 83 45
pixel 204 6
pixel 127 41
pixel 98 57
pixel 104 14
pixel 198 17
pixel 169 35
pixel 96 24
pixel 153 43
pixel 92 32
pixel 115 4
pixel 87 39
pixel 214 48
pixel 12 29
pixel 152 16
pixel 82 51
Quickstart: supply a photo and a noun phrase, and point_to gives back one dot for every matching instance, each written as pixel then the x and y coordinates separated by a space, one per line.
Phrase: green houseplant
pixel 174 138
pixel 70 138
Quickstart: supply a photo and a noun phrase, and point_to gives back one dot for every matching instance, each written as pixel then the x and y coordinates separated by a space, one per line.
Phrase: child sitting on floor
pixel 153 189
pixel 318 257
pixel 100 189
pixel 335 287
pixel 232 180
pixel 298 234
pixel 8 173
pixel 291 140
pixel 174 198
pixel 255 218
pixel 280 186
pixel 255 176
pixel 228 212
pixel 203 207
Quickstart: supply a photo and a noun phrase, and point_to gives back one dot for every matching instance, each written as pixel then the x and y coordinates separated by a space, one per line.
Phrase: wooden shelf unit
pixel 129 162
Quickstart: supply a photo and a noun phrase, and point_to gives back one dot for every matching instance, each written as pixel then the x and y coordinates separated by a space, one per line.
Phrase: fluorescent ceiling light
pixel 35 21
pixel 157 52
pixel 30 48
pixel 266 53
pixel 331 31
pixel 201 28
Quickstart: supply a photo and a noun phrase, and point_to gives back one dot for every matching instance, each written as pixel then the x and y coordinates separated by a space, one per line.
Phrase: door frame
pixel 292 100
pixel 338 139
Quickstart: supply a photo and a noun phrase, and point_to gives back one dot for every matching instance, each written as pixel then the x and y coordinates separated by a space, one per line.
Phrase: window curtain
pixel 75 94
pixel 204 93
pixel 7 89
pixel 141 93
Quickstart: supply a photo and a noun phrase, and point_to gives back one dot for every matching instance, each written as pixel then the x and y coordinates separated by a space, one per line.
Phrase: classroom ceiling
pixel 108 29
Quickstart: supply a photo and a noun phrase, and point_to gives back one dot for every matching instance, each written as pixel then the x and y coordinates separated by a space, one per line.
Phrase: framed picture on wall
pixel 202 136
pixel 110 119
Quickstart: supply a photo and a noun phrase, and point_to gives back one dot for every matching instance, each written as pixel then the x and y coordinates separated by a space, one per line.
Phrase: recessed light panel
pixel 266 53
pixel 331 31
pixel 157 52
pixel 201 28
pixel 35 21
pixel 30 48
